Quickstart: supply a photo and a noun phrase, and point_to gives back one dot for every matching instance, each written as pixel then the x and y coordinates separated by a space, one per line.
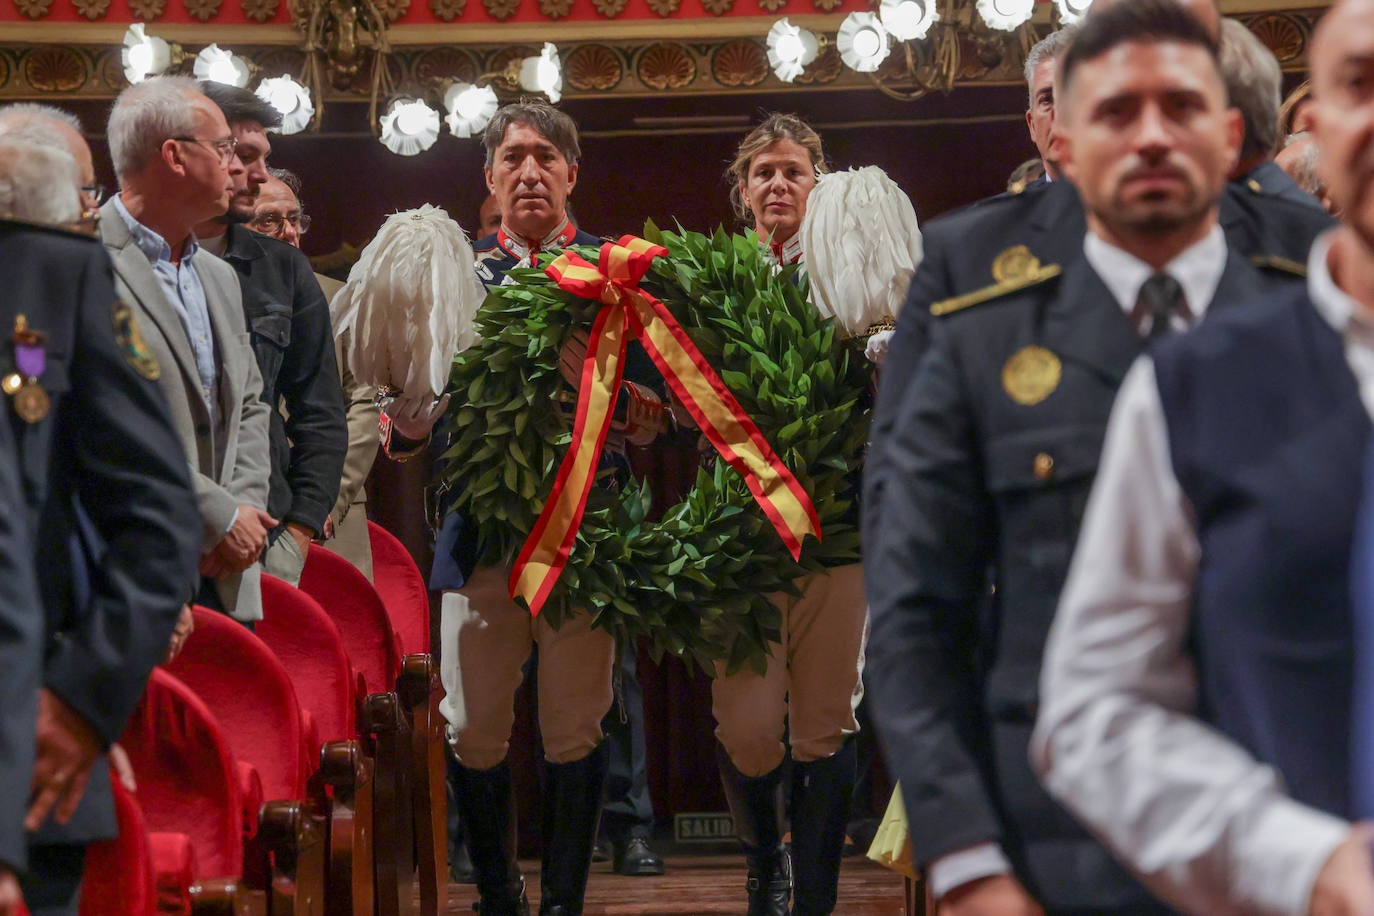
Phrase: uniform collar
pixel 1198 269
pixel 556 240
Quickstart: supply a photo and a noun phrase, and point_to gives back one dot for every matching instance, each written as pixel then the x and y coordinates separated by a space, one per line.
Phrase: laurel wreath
pixel 694 583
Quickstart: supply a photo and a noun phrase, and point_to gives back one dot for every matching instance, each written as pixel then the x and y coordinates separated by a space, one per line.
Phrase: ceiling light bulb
pixel 863 42
pixel 908 19
pixel 790 49
pixel 470 108
pixel 143 55
pixel 221 66
pixel 1006 15
pixel 291 99
pixel 1072 11
pixel 543 73
pixel 409 127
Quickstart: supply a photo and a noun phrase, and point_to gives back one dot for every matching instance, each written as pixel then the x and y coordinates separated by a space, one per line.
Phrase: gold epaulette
pixel 1284 265
pixel 995 291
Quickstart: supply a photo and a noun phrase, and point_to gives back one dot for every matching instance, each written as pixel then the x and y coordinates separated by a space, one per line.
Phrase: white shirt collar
pixel 1329 299
pixel 1198 269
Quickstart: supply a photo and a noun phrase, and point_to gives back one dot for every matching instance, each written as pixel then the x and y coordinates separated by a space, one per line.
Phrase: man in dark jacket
pixel 288 319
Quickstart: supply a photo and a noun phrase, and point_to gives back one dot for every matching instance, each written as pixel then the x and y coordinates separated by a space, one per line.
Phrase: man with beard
pixel 1197 687
pixel 995 449
pixel 293 340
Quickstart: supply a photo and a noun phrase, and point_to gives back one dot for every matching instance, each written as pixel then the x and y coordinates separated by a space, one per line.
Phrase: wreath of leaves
pixel 695 582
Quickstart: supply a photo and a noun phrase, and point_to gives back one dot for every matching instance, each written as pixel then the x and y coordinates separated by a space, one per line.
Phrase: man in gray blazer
pixel 174 157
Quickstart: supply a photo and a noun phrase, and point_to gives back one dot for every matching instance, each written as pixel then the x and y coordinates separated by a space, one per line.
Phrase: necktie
pixel 1161 297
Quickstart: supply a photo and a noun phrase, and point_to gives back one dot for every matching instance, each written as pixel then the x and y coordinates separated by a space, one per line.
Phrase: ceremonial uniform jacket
pixel 288 318
pixel 102 470
pixel 228 458
pixel 1003 236
pixel 992 459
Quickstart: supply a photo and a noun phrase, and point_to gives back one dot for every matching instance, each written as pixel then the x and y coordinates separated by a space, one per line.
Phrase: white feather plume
pixel 862 245
pixel 410 301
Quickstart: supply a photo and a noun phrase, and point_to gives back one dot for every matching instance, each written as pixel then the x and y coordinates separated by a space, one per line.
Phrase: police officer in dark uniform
pixel 994 451
pixel 993 239
pixel 108 492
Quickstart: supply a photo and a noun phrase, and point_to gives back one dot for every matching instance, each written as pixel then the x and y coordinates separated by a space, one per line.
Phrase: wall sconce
pixel 291 99
pixel 409 127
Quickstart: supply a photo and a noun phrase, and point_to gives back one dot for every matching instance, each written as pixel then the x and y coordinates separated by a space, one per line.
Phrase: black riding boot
pixel 459 862
pixel 756 806
pixel 572 813
pixel 486 803
pixel 821 793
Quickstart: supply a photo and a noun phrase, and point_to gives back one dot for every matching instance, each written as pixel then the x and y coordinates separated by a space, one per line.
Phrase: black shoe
pixel 486 804
pixel 821 791
pixel 572 813
pixel 756 806
pixel 460 869
pixel 633 857
pixel 601 852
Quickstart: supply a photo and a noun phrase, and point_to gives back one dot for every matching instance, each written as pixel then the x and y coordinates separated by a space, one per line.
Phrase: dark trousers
pixel 628 811
pixel 52 886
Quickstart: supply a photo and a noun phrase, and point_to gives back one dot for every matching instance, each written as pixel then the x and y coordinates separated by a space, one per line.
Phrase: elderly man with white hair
pixel 175 159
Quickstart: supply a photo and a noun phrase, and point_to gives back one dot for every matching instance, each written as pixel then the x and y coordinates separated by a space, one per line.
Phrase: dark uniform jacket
pixel 288 318
pixel 971 248
pixel 104 470
pixel 992 460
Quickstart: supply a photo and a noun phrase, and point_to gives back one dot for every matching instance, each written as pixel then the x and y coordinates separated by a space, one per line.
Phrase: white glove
pixel 876 351
pixel 414 418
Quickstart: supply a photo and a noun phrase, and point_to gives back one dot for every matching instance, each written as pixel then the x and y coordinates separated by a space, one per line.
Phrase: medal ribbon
pixel 615 283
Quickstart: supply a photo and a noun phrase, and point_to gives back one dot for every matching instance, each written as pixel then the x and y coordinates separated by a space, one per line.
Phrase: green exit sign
pixel 703 827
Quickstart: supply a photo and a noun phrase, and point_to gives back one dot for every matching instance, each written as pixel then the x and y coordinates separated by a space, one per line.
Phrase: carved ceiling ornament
pixel 555 9
pixel 664 8
pixel 33 9
pixel 610 8
pixel 666 66
pixel 717 7
pixel 501 9
pixel 392 9
pixel 742 62
pixel 1281 34
pixel 92 9
pixel 204 10
pixel 826 68
pixel 771 6
pixel 447 10
pixel 55 69
pixel 148 10
pixel 444 63
pixel 593 68
pixel 259 10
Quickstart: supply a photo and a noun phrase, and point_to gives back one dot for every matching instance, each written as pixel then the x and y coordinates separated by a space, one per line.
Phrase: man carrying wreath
pixel 531 168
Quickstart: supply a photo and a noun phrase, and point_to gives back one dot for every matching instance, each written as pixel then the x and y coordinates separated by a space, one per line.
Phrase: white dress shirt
pixel 1206 826
pixel 1198 270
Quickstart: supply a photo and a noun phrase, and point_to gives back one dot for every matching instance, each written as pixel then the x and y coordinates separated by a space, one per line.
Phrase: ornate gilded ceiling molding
pixel 611 67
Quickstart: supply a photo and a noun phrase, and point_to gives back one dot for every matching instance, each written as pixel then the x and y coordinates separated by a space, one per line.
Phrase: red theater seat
pixel 402 588
pixel 308 644
pixel 352 602
pixel 250 694
pixel 188 782
pixel 119 879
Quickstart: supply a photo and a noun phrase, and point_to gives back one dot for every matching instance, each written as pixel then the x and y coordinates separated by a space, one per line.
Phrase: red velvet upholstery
pixel 306 640
pixel 188 781
pixel 175 858
pixel 250 694
pixel 367 631
pixel 119 878
pixel 403 590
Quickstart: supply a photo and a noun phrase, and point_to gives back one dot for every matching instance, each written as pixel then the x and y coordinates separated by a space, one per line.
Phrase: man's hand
pixel 301 535
pixel 10 898
pixel 186 625
pixel 1345 885
pixel 414 418
pixel 244 542
pixel 999 895
pixel 66 749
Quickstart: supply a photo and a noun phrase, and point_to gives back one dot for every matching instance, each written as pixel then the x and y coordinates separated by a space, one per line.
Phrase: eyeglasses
pixel 224 147
pixel 269 223
pixel 96 192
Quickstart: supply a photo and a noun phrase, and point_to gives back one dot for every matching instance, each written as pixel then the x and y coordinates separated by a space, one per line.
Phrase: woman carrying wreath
pixel 812 683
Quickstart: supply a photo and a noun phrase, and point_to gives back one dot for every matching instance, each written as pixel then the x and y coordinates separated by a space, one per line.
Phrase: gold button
pixel 1044 466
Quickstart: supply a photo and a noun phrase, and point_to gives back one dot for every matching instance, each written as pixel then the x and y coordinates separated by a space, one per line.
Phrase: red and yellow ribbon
pixel 615 283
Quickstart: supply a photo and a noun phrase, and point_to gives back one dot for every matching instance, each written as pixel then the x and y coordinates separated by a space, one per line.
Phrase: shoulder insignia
pixel 1254 186
pixel 1013 264
pixel 130 340
pixel 1017 187
pixel 995 291
pixel 1281 264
